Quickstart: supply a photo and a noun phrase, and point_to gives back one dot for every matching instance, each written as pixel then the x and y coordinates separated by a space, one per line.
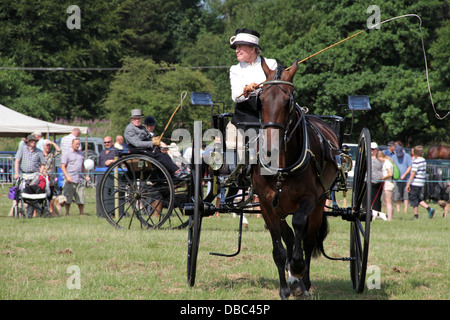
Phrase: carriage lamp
pixel 346 162
pixel 215 160
pixel 252 155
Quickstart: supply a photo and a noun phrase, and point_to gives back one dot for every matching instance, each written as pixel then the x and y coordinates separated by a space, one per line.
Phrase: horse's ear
pixel 267 71
pixel 293 69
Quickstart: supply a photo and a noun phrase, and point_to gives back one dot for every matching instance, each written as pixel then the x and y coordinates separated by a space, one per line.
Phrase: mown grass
pixel 35 254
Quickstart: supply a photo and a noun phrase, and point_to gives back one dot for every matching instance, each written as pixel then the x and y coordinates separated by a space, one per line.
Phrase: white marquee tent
pixel 15 124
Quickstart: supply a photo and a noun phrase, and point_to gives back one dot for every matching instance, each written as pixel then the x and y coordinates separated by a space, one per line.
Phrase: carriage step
pixel 322 249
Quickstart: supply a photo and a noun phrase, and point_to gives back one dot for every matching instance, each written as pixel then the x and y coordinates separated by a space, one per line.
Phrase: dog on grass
pixel 55 206
pixel 444 205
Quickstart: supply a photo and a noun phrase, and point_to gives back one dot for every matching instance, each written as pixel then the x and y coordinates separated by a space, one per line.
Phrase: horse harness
pixel 306 155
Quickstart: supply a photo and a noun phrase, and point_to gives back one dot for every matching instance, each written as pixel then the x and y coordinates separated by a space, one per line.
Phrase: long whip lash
pixel 372 27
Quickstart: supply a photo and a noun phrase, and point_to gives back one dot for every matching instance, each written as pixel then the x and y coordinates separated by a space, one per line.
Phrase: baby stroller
pixel 31 196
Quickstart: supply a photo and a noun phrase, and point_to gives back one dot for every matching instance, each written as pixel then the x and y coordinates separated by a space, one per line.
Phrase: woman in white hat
pixel 247 74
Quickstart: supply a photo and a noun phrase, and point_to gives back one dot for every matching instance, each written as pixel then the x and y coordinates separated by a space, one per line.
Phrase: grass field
pixel 75 257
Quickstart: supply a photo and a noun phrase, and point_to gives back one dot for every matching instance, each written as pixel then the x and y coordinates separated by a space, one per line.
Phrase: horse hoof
pixel 298 288
pixel 303 296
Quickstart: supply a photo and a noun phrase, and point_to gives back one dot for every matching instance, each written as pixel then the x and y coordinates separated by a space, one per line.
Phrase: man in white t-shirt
pixel 66 142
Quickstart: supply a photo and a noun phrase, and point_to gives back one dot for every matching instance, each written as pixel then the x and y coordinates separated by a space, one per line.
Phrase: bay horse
pixel 439 152
pixel 299 185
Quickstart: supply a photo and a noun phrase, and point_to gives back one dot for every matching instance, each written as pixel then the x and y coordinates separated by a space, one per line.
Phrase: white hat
pixel 245 36
pixel 373 145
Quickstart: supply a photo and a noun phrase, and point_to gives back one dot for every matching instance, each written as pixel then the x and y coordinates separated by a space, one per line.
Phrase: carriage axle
pixel 208 209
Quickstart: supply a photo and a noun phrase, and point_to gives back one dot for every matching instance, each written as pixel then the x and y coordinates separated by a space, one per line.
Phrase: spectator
pixel 404 163
pixel 49 167
pixel 30 161
pixel 388 188
pixel 174 152
pixel 416 182
pixel 72 166
pixel 66 142
pixel 138 136
pixel 106 157
pixel 39 141
pixel 120 143
pixel 390 149
pixel 377 182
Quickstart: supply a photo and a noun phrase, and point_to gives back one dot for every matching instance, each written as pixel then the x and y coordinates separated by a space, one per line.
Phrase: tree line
pixel 147 52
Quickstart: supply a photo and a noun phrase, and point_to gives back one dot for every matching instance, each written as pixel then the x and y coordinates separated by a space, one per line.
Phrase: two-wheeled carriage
pixel 244 177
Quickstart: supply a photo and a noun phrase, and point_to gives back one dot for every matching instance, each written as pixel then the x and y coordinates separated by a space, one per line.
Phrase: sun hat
pixel 31 137
pixel 245 36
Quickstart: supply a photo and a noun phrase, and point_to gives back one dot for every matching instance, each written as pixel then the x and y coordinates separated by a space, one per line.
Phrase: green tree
pixel 18 93
pixel 35 34
pixel 156 89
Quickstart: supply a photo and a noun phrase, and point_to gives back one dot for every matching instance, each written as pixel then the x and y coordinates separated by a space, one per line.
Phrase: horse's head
pixel 277 103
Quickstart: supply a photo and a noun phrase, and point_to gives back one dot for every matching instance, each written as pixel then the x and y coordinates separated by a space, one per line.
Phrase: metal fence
pixel 437 179
pixel 6 168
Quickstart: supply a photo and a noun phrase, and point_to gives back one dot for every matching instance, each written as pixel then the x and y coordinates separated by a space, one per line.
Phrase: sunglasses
pixel 107 141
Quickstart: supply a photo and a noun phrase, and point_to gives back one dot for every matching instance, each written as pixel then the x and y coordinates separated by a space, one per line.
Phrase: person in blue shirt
pixel 390 149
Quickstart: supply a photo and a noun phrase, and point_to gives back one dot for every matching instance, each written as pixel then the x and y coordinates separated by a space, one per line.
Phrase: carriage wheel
pixel 195 221
pixel 362 210
pixel 136 186
pixel 178 220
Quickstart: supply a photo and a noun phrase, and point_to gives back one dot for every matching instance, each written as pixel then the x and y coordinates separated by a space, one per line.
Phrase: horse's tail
pixel 321 235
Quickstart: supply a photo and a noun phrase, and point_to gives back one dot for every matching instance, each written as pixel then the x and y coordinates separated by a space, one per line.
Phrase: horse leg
pixel 298 266
pixel 315 235
pixel 277 231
